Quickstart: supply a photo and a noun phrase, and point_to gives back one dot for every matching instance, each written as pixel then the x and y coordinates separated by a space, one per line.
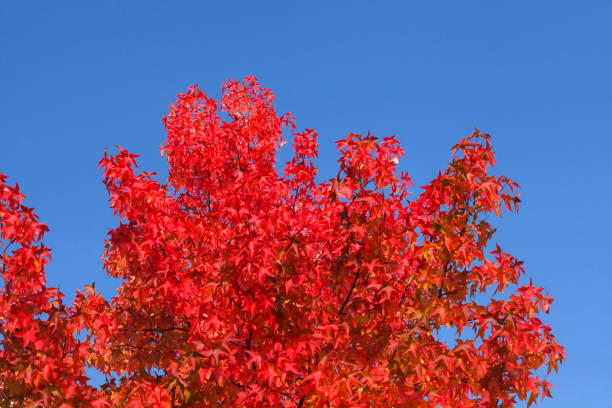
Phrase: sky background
pixel 76 77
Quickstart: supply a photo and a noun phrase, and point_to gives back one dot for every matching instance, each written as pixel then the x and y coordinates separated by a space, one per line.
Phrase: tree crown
pixel 243 285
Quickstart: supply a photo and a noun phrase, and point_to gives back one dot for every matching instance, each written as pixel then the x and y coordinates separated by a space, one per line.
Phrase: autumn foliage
pixel 243 285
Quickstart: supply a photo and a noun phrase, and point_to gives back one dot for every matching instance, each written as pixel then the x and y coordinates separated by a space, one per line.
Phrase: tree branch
pixel 348 296
pixel 155 330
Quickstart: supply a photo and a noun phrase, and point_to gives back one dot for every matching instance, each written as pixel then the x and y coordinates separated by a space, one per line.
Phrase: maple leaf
pixel 28 336
pixel 317 377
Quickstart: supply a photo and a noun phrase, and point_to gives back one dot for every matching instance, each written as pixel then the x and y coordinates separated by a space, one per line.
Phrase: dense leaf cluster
pixel 245 287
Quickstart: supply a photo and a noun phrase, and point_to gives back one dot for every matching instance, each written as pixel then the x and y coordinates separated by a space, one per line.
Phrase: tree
pixel 245 287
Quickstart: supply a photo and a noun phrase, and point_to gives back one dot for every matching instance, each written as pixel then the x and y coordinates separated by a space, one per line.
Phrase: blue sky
pixel 76 77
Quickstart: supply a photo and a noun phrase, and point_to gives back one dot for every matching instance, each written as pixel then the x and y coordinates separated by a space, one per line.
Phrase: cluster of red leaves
pixel 244 287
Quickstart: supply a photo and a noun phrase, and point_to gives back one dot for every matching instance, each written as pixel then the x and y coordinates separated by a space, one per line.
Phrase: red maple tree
pixel 244 286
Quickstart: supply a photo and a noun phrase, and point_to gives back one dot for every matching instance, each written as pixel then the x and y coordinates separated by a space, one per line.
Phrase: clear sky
pixel 78 76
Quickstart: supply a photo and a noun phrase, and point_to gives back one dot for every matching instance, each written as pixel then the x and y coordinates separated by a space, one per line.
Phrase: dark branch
pixel 348 296
pixel 155 330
